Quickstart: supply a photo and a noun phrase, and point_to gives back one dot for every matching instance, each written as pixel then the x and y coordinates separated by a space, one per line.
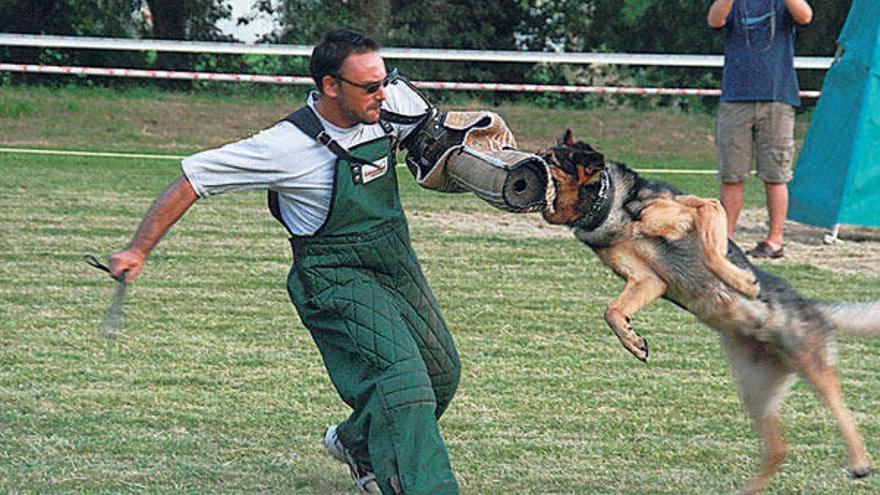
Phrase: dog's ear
pixel 586 147
pixel 566 138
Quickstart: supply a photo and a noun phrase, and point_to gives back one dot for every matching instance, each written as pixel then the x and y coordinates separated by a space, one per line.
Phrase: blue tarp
pixel 837 177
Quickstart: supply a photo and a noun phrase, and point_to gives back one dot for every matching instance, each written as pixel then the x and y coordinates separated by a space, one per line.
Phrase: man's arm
pixel 718 12
pixel 167 209
pixel 800 11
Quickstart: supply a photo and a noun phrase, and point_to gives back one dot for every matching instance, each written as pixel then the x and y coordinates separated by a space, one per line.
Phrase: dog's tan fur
pixel 665 244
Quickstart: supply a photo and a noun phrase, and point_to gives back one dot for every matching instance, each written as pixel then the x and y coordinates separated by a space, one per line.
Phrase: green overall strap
pixel 356 208
pixel 306 120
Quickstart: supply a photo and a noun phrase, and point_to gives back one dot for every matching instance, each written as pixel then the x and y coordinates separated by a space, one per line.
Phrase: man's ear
pixel 566 138
pixel 330 86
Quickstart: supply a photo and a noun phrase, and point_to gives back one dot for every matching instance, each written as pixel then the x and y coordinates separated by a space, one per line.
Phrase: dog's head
pixel 575 168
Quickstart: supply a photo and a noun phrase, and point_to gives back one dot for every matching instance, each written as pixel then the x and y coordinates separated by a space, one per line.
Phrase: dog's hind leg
pixel 818 370
pixel 674 219
pixel 711 226
pixel 762 382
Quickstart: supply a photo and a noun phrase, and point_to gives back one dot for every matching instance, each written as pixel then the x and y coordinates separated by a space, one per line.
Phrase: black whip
pixel 112 323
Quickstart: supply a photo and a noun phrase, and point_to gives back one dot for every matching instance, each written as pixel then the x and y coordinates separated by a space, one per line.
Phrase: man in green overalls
pixel 355 281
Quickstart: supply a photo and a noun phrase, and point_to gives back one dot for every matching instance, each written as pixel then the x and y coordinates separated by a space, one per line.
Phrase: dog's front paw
pixel 635 344
pixel 621 325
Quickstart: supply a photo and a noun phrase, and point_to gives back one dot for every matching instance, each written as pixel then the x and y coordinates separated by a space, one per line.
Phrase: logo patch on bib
pixel 374 171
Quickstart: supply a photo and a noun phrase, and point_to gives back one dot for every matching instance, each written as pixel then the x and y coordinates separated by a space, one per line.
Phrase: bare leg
pixel 732 201
pixel 777 210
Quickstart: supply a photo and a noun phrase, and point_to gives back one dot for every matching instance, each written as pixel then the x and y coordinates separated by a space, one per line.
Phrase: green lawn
pixel 215 387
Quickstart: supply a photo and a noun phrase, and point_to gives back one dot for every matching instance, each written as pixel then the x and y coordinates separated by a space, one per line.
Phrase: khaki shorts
pixel 763 129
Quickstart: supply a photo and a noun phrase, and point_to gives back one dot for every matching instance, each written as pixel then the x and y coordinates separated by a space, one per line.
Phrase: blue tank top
pixel 759 53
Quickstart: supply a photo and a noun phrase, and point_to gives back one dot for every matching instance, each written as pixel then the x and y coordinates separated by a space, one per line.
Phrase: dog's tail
pixel 859 319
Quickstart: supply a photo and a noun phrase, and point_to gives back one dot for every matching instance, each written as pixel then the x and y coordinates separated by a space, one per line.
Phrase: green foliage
pixel 190 20
pixel 634 26
pixel 820 37
pixel 106 18
pixel 633 10
pixel 556 25
pixel 455 24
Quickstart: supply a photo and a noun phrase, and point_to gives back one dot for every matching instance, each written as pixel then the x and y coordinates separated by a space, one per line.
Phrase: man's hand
pixel 128 261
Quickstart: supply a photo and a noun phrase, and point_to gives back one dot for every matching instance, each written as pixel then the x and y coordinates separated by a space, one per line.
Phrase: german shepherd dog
pixel 665 244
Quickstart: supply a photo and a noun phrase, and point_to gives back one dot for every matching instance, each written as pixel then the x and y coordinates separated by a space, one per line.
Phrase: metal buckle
pixel 324 138
pixel 357 174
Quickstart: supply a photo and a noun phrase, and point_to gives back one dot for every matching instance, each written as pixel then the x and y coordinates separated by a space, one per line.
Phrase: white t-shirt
pixel 283 159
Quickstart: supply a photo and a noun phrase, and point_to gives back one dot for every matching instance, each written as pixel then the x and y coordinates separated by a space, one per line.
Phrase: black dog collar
pixel 600 208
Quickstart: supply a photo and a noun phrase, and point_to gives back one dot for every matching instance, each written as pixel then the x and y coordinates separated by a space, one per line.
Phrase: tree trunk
pixel 169 23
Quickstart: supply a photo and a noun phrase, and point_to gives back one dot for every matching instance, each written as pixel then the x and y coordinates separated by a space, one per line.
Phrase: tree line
pixel 633 26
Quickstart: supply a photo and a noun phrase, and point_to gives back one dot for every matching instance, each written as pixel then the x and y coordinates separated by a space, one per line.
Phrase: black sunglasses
pixel 373 86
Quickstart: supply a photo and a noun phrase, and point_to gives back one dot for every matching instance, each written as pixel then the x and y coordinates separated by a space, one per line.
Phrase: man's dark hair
pixel 331 52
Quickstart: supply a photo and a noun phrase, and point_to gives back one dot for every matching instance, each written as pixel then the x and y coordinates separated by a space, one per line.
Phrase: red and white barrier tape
pixel 153 74
pixel 558 88
pixel 214 76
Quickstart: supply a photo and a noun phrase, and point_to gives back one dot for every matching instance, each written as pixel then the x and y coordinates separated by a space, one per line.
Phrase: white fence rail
pixel 46 41
pixel 638 59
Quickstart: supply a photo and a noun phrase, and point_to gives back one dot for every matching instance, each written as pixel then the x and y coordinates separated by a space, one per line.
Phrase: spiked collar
pixel 601 207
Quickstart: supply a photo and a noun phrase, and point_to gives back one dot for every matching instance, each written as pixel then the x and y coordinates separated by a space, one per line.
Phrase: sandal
pixel 763 250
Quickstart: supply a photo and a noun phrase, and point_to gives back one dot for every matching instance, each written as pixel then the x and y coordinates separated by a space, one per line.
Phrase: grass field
pixel 215 387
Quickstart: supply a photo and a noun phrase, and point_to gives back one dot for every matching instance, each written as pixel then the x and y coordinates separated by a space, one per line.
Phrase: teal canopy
pixel 837 177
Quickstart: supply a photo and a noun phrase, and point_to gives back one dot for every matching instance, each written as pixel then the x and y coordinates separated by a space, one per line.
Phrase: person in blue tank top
pixel 759 94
